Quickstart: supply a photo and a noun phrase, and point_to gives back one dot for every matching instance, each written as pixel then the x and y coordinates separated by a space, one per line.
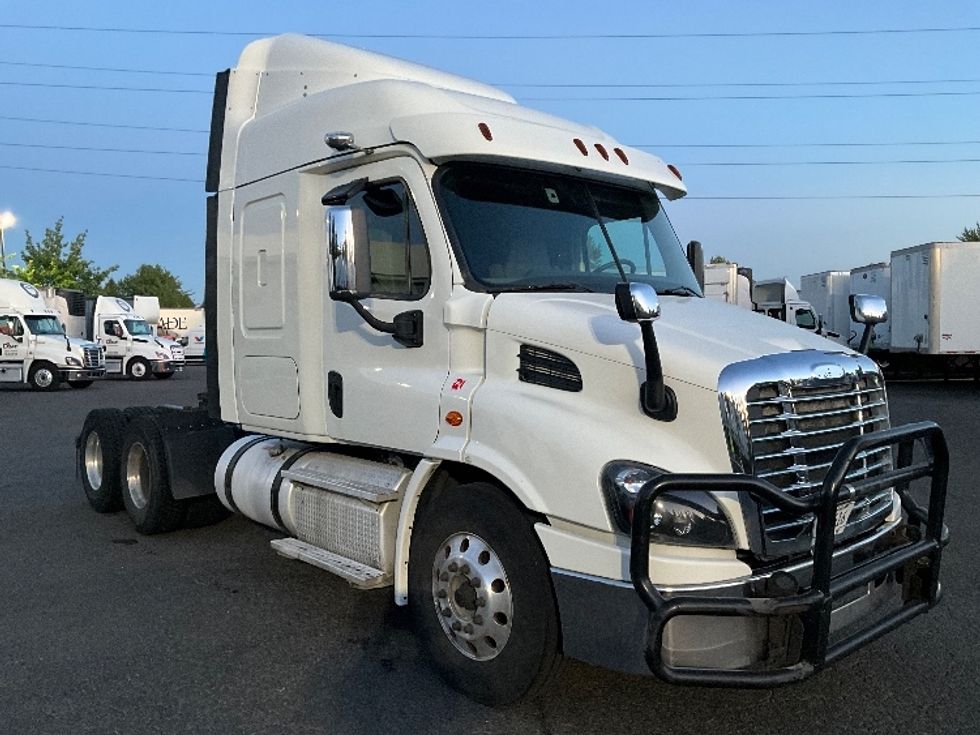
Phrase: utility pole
pixel 7 219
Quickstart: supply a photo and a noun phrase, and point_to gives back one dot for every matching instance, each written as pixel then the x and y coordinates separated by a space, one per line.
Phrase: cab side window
pixel 10 326
pixel 397 250
pixel 111 328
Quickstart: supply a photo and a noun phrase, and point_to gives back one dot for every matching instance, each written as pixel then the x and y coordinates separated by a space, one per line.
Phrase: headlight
pixel 73 361
pixel 162 356
pixel 681 518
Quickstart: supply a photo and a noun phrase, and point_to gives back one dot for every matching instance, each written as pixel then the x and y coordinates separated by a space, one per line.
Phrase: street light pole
pixel 7 219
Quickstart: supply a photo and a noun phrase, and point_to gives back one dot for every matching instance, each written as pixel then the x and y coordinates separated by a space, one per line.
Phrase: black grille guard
pixel 919 558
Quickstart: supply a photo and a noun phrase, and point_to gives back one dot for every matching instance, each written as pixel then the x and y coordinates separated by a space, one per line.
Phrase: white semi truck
pixel 34 347
pixel 456 350
pixel 126 330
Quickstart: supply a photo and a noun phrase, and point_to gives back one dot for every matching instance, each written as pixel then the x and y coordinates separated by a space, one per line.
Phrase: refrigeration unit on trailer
pixel 827 292
pixel 131 346
pixel 456 350
pixel 729 283
pixel 34 347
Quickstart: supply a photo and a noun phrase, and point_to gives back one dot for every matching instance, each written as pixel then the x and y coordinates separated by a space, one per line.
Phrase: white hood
pixel 697 337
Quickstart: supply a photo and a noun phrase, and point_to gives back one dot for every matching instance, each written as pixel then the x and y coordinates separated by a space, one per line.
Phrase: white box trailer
pixel 935 299
pixel 728 283
pixel 455 348
pixel 827 293
pixel 874 279
pixel 176 323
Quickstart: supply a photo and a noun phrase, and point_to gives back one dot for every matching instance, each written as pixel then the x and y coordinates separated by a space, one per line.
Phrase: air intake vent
pixel 547 368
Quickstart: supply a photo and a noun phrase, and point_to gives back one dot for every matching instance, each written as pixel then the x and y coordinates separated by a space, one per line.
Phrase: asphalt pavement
pixel 207 630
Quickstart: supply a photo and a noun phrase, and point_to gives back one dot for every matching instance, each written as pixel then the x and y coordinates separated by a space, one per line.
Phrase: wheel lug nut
pixel 444 577
pixel 453 566
pixel 468 628
pixel 457 627
pixel 465 569
pixel 478 619
pixel 480 602
pixel 446 612
pixel 475 582
pixel 441 594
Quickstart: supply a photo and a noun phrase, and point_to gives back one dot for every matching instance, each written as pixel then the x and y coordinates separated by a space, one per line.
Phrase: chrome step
pixel 359 575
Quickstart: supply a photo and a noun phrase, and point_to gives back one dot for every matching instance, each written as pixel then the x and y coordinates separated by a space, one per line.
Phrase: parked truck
pixel 34 347
pixel 456 350
pixel 127 332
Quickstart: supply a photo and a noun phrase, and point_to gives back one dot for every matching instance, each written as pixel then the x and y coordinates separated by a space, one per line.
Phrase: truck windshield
pixel 39 325
pixel 137 327
pixel 523 230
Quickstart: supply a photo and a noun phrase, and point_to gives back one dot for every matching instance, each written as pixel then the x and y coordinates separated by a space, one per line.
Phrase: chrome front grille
pixel 92 357
pixel 786 417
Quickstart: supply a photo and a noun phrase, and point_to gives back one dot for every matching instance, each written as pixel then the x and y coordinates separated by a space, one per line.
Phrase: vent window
pixel 547 368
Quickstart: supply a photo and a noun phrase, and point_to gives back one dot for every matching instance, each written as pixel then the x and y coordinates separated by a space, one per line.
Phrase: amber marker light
pixel 485 130
pixel 581 146
pixel 454 418
pixel 673 169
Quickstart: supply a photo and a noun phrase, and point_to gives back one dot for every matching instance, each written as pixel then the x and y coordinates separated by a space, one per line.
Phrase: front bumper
pixel 783 624
pixel 67 373
pixel 167 366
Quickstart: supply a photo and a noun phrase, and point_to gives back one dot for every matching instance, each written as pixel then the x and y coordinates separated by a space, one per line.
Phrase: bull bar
pixel 920 558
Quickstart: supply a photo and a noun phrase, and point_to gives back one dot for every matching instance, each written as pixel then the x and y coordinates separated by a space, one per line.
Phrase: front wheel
pixel 79 384
pixel 163 376
pixel 481 596
pixel 43 376
pixel 138 369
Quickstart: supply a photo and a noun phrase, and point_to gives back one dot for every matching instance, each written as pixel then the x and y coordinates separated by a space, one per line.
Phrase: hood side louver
pixel 547 368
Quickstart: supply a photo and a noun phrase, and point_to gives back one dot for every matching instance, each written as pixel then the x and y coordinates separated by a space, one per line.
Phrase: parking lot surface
pixel 207 630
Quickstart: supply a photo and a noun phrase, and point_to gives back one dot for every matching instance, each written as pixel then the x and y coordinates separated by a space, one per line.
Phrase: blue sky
pixel 132 221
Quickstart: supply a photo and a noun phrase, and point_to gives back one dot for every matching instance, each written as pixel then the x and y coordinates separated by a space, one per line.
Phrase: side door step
pixel 358 575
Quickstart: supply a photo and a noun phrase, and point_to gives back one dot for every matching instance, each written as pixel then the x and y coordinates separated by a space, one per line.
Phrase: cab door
pixel 381 392
pixel 13 348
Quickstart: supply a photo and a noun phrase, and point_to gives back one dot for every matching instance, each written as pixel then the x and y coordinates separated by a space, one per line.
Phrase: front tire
pixel 98 458
pixel 79 384
pixel 145 481
pixel 481 596
pixel 138 369
pixel 43 376
pixel 163 376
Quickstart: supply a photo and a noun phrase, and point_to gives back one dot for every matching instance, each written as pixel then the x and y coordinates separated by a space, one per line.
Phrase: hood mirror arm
pixel 638 303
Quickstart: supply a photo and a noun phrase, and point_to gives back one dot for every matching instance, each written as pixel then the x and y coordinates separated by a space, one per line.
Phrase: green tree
pixel 55 262
pixel 718 259
pixel 970 234
pixel 153 280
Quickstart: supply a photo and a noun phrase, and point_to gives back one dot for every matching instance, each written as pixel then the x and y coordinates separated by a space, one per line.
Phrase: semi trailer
pixel 456 350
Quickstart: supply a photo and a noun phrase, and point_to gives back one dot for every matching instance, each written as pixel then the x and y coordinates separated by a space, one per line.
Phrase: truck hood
pixel 57 340
pixel 697 337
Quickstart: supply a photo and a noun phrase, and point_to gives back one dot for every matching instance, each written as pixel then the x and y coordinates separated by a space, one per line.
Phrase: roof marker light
pixel 673 169
pixel 602 151
pixel 622 155
pixel 485 129
pixel 581 146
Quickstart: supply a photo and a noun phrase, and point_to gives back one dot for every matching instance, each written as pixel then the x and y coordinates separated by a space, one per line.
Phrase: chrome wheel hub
pixel 44 378
pixel 472 596
pixel 93 460
pixel 137 475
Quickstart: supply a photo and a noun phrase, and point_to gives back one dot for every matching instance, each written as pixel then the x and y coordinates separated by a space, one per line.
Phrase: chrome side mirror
pixel 637 302
pixel 344 257
pixel 868 309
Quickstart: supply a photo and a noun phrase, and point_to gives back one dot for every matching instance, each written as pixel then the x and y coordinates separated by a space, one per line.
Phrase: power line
pixel 657 146
pixel 101 87
pixel 102 125
pixel 100 173
pixel 828 163
pixel 833 197
pixel 48 146
pixel 548 85
pixel 509 36
pixel 829 95
pixel 75 67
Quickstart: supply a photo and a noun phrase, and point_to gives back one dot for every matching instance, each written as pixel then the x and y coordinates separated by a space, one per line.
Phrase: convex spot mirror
pixel 868 309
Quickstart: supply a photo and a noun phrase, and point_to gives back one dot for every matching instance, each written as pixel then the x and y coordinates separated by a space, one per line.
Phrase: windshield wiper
pixel 678 291
pixel 578 287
